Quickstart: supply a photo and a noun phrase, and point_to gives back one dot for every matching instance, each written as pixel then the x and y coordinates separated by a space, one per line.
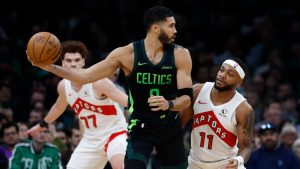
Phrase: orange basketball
pixel 43 47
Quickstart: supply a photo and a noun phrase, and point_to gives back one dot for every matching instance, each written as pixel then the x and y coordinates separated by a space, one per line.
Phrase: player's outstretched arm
pixel 82 76
pixel 56 110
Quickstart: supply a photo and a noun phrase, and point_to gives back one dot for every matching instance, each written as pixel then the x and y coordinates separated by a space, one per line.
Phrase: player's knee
pixel 117 161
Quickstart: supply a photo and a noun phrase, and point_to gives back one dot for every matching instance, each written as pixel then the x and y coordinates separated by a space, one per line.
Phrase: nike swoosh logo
pixel 200 102
pixel 141 64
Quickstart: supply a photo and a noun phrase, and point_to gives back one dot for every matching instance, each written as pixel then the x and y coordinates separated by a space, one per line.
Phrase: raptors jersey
pixel 214 134
pixel 100 117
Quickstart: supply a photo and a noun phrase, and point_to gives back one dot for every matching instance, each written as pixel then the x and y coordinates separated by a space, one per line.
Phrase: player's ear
pixel 155 28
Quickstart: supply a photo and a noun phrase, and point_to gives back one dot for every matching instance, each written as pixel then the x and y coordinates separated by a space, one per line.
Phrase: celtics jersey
pixel 148 79
pixel 24 157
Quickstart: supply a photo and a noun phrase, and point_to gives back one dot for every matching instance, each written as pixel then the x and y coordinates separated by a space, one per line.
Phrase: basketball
pixel 43 47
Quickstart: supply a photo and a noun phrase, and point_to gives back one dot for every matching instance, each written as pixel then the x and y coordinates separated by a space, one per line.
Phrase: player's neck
pixel 75 86
pixel 152 43
pixel 221 97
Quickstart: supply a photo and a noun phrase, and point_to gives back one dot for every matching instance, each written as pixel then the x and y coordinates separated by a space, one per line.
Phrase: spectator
pixel 271 154
pixel 22 128
pixel 9 133
pixel 296 148
pixel 35 154
pixel 288 135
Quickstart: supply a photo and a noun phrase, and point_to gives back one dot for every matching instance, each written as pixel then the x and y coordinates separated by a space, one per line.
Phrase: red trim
pixel 113 136
pixel 80 104
pixel 209 118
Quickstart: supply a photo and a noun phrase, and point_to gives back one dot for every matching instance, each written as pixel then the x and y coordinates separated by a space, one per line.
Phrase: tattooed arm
pixel 245 126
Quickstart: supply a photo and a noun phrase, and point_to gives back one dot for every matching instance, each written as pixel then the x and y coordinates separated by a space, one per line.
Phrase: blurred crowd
pixel 265 34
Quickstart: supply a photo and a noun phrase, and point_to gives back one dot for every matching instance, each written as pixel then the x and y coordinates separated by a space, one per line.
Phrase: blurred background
pixel 265 34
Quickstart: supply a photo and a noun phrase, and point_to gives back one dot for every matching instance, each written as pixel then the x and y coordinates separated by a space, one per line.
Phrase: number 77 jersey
pixel 214 134
pixel 99 117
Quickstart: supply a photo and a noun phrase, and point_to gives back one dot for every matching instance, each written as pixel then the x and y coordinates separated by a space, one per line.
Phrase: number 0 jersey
pixel 100 117
pixel 214 134
pixel 148 79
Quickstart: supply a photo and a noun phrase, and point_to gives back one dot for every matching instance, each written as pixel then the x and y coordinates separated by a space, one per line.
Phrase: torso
pixel 214 134
pixel 147 78
pixel 100 117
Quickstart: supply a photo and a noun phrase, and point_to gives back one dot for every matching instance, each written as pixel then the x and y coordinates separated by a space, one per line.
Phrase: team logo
pixel 223 112
pixel 86 93
pixel 235 66
pixel 201 102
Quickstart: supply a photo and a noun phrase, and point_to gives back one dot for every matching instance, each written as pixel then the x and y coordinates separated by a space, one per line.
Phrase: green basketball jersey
pixel 24 157
pixel 148 79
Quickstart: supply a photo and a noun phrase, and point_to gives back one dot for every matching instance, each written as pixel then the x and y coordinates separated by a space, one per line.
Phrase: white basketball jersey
pixel 100 117
pixel 214 134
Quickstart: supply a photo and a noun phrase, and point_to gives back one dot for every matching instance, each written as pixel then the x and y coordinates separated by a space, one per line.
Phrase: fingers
pixel 232 164
pixel 158 103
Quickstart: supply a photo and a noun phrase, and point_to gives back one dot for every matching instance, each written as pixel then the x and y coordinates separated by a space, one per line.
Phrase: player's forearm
pixel 53 114
pixel 246 152
pixel 181 103
pixel 76 75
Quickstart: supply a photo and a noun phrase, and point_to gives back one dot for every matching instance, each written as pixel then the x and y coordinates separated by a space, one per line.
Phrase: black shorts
pixel 165 134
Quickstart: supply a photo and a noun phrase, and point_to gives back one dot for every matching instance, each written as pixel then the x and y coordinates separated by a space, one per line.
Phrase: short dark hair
pixel 156 14
pixel 8 125
pixel 73 46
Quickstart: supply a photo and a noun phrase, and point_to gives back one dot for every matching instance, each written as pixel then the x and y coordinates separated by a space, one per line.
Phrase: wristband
pixel 240 160
pixel 43 123
pixel 171 104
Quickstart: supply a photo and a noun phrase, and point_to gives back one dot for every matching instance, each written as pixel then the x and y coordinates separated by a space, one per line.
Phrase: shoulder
pixel 244 112
pixel 124 50
pixel 22 146
pixel 179 50
pixel 245 107
pixel 61 86
pixel 51 147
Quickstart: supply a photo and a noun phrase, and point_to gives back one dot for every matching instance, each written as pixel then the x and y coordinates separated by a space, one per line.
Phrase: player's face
pixel 167 31
pixel 73 60
pixel 227 78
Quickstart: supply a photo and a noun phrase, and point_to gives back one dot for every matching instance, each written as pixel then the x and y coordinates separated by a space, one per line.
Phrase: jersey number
pixel 88 119
pixel 202 141
pixel 154 92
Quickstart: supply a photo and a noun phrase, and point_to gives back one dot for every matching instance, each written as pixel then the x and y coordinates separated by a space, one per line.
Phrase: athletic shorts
pixel 193 164
pixel 165 134
pixel 98 158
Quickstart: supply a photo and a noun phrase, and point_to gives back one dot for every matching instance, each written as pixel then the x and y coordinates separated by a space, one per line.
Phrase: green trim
pixel 131 103
pixel 133 123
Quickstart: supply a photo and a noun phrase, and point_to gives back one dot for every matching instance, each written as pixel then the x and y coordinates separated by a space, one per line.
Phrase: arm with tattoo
pixel 245 126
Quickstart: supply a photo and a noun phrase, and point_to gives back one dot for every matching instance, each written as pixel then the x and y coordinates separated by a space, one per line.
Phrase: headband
pixel 236 67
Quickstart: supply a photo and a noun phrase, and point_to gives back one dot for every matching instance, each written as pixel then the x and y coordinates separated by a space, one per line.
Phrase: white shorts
pixel 193 164
pixel 98 158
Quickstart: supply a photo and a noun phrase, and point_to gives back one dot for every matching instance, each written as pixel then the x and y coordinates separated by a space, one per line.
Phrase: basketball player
pixel 95 105
pixel 158 75
pixel 223 121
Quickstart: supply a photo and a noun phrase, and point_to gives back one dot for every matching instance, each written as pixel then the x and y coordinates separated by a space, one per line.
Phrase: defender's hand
pixel 34 129
pixel 232 164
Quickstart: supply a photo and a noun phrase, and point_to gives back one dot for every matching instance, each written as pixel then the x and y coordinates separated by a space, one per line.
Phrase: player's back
pixel 214 134
pixel 99 117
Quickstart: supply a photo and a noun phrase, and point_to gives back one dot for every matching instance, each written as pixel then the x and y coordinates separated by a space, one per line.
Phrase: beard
pixel 224 88
pixel 269 144
pixel 164 39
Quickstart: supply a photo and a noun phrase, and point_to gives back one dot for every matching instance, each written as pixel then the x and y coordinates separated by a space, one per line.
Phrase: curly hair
pixel 73 46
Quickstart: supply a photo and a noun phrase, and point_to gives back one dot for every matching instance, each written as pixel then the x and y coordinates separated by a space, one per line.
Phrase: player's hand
pixel 232 164
pixel 42 66
pixel 158 103
pixel 34 129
